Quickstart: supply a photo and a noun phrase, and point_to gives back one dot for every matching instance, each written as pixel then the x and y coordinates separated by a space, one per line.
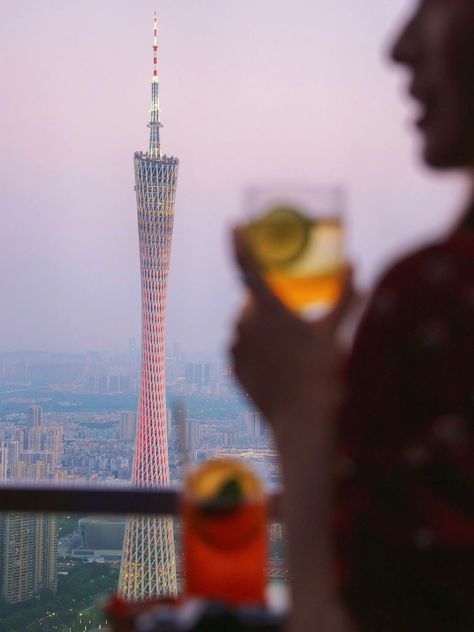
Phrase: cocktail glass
pixel 296 235
pixel 225 533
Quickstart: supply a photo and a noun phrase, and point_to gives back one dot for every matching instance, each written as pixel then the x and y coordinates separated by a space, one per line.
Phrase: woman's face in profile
pixel 437 45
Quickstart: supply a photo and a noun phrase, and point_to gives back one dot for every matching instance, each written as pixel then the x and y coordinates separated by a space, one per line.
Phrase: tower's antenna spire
pixel 155 45
pixel 154 124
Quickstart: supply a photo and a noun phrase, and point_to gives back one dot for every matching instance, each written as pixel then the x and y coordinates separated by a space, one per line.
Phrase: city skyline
pixel 85 436
pixel 70 118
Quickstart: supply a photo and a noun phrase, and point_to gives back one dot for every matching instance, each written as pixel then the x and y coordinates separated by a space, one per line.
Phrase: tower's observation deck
pixel 148 565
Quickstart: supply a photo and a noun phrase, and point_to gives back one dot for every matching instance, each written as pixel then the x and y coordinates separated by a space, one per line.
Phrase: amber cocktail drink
pixel 225 534
pixel 297 239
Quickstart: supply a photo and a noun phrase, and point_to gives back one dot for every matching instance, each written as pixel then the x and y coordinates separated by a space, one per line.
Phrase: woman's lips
pixel 423 119
pixel 427 103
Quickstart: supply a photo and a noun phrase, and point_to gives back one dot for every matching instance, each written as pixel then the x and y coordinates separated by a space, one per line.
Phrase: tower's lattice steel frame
pixel 148 564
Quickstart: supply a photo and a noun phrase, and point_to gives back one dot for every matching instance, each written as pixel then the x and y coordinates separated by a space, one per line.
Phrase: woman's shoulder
pixel 437 276
pixel 428 290
pixel 435 264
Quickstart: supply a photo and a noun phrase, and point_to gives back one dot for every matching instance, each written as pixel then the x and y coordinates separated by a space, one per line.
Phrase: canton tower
pixel 148 565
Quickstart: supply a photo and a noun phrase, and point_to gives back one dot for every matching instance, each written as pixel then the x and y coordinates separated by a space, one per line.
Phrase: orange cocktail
pixel 297 239
pixel 225 533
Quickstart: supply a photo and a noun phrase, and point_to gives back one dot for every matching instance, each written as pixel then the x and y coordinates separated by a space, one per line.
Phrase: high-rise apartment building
pixel 148 565
pixel 253 424
pixel 3 462
pixel 53 442
pixel 33 416
pixel 128 425
pixel 191 435
pixel 33 439
pixel 14 448
pixel 28 555
pixel 28 542
pixel 17 557
pixel 197 376
pixel 46 553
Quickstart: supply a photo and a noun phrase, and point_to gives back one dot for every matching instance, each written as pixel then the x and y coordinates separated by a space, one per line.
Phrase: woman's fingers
pixel 250 272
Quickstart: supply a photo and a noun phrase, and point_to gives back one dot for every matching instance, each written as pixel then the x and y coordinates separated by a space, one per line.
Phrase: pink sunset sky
pixel 251 91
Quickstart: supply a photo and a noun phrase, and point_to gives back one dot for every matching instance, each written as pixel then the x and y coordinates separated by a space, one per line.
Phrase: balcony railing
pixel 100 500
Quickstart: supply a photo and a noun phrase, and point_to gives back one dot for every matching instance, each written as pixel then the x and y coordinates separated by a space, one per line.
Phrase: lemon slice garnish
pixel 227 504
pixel 216 479
pixel 279 237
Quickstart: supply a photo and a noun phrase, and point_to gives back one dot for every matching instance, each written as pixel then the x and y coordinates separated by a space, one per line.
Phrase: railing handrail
pixel 99 500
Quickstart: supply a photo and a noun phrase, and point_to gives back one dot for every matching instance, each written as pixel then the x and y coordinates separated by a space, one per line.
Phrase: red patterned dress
pixel 405 513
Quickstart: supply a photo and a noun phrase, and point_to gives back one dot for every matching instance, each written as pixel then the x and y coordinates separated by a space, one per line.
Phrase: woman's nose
pixel 405 48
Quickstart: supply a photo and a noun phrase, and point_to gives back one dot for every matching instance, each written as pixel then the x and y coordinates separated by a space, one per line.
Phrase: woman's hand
pixel 289 367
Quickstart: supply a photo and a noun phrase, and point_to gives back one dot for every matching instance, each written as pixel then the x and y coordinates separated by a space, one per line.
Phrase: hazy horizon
pixel 250 92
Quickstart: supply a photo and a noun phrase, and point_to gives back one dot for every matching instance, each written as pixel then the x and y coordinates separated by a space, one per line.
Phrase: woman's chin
pixel 442 156
pixel 445 146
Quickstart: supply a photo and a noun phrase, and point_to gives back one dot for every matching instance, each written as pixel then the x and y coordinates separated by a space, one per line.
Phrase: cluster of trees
pixel 78 590
pixel 68 524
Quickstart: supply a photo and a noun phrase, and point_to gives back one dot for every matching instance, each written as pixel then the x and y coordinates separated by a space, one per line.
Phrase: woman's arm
pixel 307 468
pixel 292 371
